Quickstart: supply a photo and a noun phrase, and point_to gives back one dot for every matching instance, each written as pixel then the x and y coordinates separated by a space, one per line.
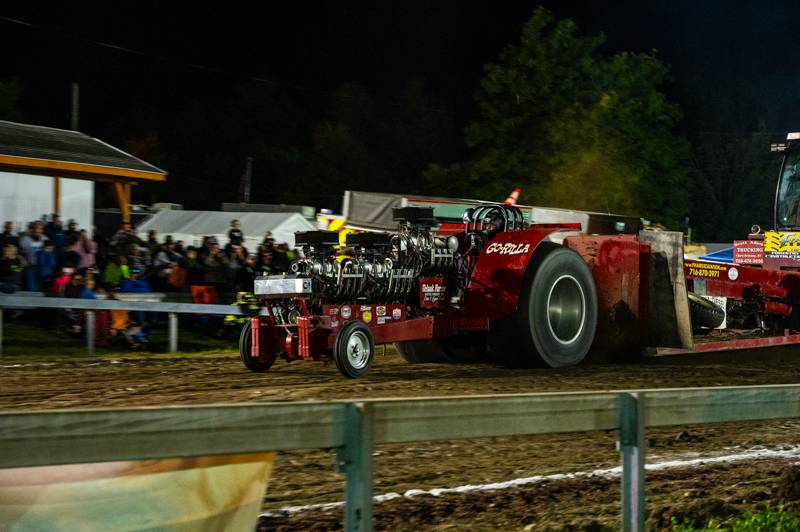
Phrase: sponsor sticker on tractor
pixel 706 270
pixel 432 292
pixel 366 316
pixel 781 249
pixel 380 310
pixel 346 313
pixel 397 314
pixel 748 252
pixel 782 242
pixel 508 249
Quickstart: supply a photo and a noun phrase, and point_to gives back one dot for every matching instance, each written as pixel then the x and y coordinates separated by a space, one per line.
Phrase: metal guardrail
pixel 92 305
pixel 354 427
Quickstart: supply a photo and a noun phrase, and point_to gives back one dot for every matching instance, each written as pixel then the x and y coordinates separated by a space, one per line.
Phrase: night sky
pixel 734 64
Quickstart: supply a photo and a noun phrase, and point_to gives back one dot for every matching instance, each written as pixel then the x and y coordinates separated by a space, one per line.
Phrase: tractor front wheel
pixel 257 365
pixel 354 349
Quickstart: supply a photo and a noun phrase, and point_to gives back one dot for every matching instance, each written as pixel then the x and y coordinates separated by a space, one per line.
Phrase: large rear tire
pixel 421 352
pixel 257 365
pixel 555 323
pixel 464 348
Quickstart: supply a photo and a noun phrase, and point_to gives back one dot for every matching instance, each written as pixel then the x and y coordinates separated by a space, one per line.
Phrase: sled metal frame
pixel 787 338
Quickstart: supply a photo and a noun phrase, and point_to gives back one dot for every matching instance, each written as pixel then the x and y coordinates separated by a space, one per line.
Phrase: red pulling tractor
pixel 500 289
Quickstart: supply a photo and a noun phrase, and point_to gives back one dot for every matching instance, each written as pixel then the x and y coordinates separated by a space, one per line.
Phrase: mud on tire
pixel 555 323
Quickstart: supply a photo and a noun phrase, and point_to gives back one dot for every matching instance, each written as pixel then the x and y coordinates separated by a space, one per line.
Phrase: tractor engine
pixel 379 267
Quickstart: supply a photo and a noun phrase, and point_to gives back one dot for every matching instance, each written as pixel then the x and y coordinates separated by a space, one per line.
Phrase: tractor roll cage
pixel 511 216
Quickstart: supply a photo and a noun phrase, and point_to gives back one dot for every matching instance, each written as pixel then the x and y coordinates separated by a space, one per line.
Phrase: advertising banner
pixel 748 252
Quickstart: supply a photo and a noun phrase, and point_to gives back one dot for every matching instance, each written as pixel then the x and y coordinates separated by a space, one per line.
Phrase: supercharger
pixel 381 267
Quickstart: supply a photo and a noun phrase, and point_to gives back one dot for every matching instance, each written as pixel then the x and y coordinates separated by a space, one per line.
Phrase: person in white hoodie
pixel 33 241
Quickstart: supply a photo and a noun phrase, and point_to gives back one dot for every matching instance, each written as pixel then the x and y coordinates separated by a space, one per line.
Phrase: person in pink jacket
pixel 87 249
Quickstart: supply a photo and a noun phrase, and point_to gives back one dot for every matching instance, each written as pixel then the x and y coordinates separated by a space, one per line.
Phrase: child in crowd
pixel 116 270
pixel 11 267
pixel 46 264
pixel 123 330
pixel 61 280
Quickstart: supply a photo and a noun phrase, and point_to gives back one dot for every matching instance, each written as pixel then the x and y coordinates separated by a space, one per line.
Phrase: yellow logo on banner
pixel 781 241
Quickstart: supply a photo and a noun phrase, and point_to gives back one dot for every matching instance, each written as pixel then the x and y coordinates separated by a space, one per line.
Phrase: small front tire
pixel 354 349
pixel 256 365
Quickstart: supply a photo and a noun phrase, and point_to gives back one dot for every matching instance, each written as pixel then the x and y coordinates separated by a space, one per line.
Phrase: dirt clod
pixel 789 484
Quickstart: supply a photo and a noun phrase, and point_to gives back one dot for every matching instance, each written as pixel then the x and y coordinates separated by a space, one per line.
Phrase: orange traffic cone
pixel 512 198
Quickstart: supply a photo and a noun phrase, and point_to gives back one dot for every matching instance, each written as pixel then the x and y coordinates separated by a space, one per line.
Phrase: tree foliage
pixel 574 128
pixel 10 92
pixel 732 183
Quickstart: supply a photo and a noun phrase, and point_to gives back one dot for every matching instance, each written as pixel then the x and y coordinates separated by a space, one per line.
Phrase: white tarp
pixel 192 226
pixel 25 198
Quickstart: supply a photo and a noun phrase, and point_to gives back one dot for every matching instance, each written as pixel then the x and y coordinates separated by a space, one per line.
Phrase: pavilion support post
pixel 56 195
pixel 123 191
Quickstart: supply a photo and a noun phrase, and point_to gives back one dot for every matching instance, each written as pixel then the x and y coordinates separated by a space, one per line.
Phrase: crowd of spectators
pixel 48 257
pixel 71 262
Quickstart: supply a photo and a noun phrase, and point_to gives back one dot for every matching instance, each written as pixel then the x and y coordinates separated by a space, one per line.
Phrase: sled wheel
pixel 421 351
pixel 354 349
pixel 464 348
pixel 704 313
pixel 257 365
pixel 555 323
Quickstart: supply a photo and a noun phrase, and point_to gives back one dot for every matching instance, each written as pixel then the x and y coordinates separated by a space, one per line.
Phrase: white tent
pixel 192 226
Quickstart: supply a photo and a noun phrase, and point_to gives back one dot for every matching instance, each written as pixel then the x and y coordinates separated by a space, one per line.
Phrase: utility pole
pixel 75 109
pixel 244 183
pixel 73 125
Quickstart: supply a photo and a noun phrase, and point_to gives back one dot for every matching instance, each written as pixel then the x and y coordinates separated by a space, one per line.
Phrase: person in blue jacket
pixel 135 285
pixel 46 264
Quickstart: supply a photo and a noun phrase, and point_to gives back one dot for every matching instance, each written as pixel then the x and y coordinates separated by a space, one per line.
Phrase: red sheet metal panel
pixel 614 261
pixel 737 281
pixel 496 280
